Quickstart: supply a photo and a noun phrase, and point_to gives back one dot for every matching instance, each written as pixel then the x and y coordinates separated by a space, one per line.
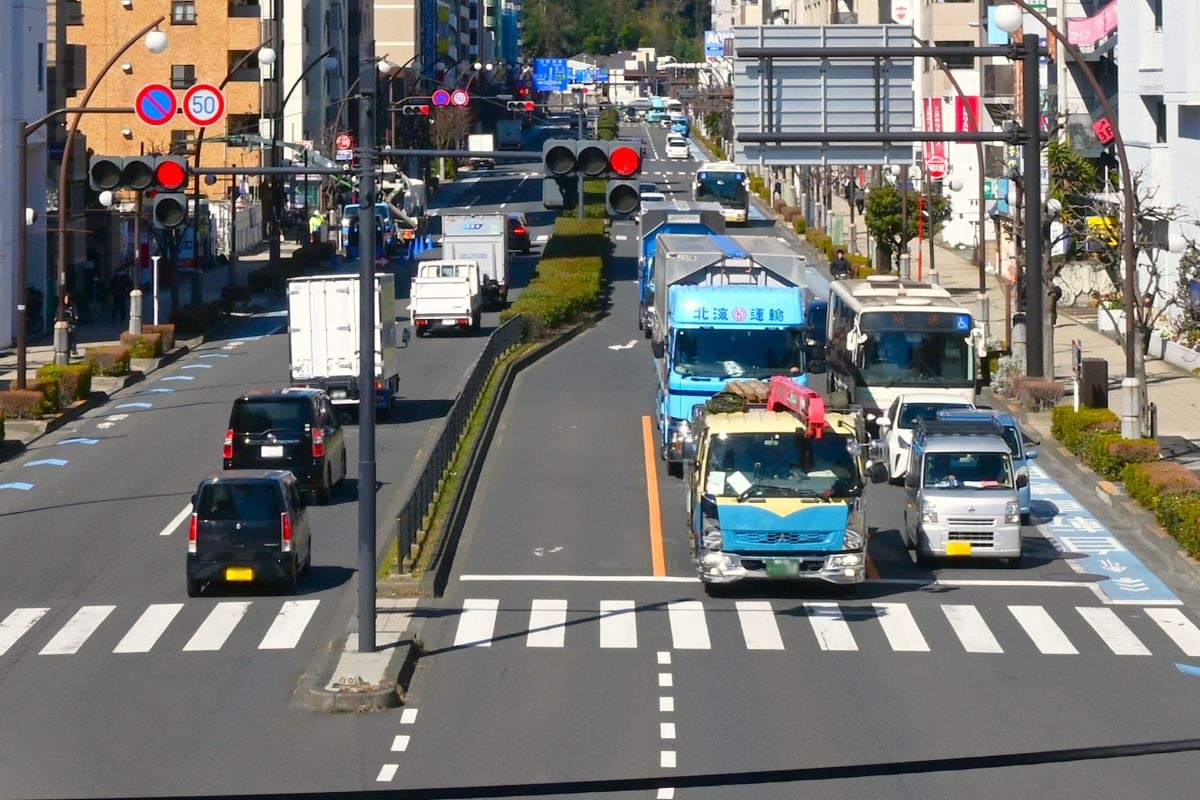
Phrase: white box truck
pixel 509 134
pixel 323 313
pixel 481 238
pixel 445 294
pixel 481 143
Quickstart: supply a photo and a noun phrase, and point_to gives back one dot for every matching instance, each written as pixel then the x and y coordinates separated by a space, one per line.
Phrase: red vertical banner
pixel 966 114
pixel 933 124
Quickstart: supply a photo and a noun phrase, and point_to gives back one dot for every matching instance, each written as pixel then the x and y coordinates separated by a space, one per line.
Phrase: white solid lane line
pixel 830 626
pixel 1115 633
pixel 150 626
pixel 1045 633
pixel 1178 627
pixel 618 623
pixel 289 625
pixel 758 625
pixel 476 623
pixel 175 523
pixel 217 627
pixel 971 630
pixel 81 626
pixel 17 624
pixel 689 631
pixel 900 628
pixel 547 623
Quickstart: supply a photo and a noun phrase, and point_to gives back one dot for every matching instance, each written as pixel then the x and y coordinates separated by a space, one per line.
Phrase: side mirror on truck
pixel 659 349
pixel 877 473
pixel 404 337
pixel 1022 481
pixel 912 480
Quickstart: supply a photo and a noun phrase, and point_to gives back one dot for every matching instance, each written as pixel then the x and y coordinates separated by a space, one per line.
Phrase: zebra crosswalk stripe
pixel 151 625
pixel 971 630
pixel 547 623
pixel 1045 633
pixel 900 628
pixel 1181 630
pixel 78 630
pixel 477 623
pixel 759 628
pixel 17 624
pixel 689 631
pixel 830 626
pixel 1112 631
pixel 618 624
pixel 289 625
pixel 217 627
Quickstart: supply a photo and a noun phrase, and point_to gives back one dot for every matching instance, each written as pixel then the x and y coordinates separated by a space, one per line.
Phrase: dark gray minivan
pixel 248 526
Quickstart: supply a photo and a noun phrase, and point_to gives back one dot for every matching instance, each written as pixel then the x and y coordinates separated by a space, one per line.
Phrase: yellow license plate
pixel 958 548
pixel 239 574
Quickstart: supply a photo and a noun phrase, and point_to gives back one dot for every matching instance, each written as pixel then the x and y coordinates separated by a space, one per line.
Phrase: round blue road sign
pixel 155 104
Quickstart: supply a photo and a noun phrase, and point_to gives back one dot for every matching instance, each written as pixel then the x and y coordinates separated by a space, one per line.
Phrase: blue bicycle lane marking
pixel 1076 530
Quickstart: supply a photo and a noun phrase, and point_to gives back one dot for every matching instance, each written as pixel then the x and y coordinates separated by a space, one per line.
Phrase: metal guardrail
pixel 416 508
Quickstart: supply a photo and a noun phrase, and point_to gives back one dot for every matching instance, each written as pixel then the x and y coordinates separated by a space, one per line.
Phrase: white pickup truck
pixel 445 294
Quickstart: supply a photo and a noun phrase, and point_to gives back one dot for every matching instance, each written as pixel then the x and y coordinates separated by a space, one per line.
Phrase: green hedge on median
pixel 570 277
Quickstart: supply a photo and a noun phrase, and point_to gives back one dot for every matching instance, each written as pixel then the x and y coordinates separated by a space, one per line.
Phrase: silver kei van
pixel 961 493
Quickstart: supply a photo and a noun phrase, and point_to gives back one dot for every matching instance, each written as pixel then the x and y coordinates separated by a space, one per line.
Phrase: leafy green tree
pixel 885 221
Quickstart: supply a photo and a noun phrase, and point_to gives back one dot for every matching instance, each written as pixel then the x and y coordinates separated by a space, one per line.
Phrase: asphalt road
pixel 105 662
pixel 573 662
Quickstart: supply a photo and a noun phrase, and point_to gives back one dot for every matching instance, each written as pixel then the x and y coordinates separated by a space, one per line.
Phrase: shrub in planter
pixel 23 404
pixel 1107 453
pixel 863 271
pixel 801 225
pixel 166 331
pixel 1037 394
pixel 73 381
pixel 1179 514
pixel 1148 482
pixel 143 345
pixel 779 205
pixel 1008 370
pixel 1073 429
pixel 108 360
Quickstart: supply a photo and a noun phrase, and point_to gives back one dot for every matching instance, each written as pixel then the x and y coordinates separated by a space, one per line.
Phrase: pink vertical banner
pixel 933 124
pixel 966 114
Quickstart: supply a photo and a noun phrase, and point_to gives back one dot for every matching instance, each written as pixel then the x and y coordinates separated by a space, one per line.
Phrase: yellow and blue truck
pixel 776 488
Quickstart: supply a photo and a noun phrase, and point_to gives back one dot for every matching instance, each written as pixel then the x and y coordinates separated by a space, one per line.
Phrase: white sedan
pixel 896 426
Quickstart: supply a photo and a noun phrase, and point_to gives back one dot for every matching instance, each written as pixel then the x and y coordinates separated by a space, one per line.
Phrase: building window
pixel 1160 121
pixel 183 12
pixel 41 66
pixel 957 62
pixel 183 76
pixel 180 142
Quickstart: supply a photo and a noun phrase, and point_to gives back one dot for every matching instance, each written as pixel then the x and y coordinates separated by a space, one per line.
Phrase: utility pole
pixel 368 88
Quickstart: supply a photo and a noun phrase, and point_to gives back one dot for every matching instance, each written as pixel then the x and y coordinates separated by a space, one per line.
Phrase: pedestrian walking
pixel 860 199
pixel 72 317
pixel 1056 294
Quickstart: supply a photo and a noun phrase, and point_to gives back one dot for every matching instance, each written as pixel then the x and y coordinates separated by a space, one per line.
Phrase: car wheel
pixel 322 493
pixel 342 477
pixel 923 558
pixel 1026 518
pixel 675 469
pixel 291 579
pixel 476 320
pixel 307 568
pixel 194 588
pixel 1013 563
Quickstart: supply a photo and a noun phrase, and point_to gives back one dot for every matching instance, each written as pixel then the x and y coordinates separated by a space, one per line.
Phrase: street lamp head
pixel 1009 18
pixel 266 56
pixel 1053 207
pixel 489 66
pixel 478 65
pixel 385 67
pixel 1177 242
pixel 156 41
pixel 330 63
pixel 955 185
pixel 30 216
pixel 1011 197
pixel 106 198
pixel 894 169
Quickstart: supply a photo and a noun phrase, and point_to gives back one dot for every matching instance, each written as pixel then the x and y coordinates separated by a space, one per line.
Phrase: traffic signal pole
pixel 580 201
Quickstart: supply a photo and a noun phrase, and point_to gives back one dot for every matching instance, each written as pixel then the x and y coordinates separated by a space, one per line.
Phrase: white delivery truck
pixel 481 143
pixel 445 294
pixel 509 134
pixel 323 314
pixel 480 238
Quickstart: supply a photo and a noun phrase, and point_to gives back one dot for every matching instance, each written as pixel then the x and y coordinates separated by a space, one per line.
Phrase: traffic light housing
pixel 521 105
pixel 415 110
pixel 170 181
pixel 565 160
pixel 165 176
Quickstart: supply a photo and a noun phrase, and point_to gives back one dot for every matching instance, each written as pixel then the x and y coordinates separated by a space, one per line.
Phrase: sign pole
pixel 154 259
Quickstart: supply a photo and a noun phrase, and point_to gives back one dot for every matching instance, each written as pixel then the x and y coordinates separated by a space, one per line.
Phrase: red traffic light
pixel 625 161
pixel 424 111
pixel 523 91
pixel 170 174
pixel 529 105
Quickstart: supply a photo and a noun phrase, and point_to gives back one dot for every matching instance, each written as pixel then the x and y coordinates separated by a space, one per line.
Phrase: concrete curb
pixel 357 699
pixel 1115 498
pixel 434 580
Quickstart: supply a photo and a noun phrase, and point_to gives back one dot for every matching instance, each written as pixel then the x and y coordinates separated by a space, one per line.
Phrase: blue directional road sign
pixel 550 74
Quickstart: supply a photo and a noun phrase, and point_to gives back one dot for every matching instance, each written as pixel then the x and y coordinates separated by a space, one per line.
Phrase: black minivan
pixel 293 429
pixel 248 526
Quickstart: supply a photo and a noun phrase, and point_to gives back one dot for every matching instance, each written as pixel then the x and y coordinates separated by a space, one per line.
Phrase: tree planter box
pixel 1174 353
pixel 1110 326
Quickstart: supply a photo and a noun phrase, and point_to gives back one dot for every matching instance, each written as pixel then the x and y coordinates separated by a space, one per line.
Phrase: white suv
pixel 677 147
pixel 896 427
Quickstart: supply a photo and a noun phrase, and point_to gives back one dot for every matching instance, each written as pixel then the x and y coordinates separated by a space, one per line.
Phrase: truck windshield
pixel 915 358
pixel 783 465
pixel 711 353
pixel 726 188
pixel 968 471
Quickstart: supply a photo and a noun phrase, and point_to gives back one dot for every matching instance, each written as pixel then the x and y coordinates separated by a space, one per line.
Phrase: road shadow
pixel 421 410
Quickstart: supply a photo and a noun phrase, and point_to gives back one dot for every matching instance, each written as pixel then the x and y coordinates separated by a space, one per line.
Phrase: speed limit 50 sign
pixel 204 105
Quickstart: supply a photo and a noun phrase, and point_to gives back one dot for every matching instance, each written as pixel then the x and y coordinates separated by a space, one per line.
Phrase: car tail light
pixel 318 439
pixel 193 529
pixel 464 322
pixel 379 386
pixel 421 323
pixel 519 231
pixel 286 544
pixel 227 451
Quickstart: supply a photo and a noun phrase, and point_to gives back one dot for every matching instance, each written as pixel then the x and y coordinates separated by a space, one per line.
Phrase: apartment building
pixel 1159 108
pixel 23 98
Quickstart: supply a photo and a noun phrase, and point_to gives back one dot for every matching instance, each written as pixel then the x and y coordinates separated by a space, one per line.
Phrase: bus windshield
pixel 931 358
pixel 712 353
pixel 783 465
pixel 726 188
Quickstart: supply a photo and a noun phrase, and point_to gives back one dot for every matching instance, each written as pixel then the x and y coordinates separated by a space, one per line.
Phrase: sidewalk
pixel 40 350
pixel 1175 392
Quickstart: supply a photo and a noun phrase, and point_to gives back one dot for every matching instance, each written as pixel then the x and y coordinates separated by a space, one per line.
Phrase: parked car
pixel 248 526
pixel 1019 445
pixel 902 417
pixel 293 429
pixel 518 232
